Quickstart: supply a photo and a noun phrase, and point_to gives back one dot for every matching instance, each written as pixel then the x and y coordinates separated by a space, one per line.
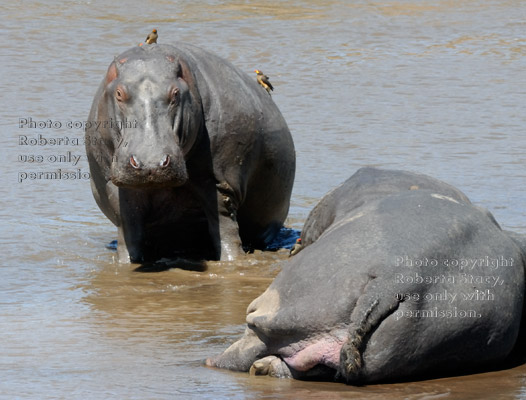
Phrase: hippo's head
pixel 153 116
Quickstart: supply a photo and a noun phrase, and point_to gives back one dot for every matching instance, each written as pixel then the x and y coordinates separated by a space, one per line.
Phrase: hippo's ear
pixel 183 72
pixel 112 73
pixel 113 69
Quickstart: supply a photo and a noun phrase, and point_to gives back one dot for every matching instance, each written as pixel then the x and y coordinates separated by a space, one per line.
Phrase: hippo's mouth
pixel 142 178
pixel 145 182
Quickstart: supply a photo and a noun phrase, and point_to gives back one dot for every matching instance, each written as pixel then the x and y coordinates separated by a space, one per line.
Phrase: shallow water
pixel 437 87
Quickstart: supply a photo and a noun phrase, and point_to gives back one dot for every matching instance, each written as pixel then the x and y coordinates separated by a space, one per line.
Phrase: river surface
pixel 437 87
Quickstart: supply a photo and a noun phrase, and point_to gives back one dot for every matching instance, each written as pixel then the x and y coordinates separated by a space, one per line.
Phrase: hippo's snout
pixel 143 170
pixel 137 164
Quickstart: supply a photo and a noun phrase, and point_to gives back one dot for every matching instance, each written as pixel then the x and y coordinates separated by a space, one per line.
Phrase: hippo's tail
pixel 370 310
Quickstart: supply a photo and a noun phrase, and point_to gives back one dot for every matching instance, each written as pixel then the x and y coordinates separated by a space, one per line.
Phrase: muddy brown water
pixel 437 87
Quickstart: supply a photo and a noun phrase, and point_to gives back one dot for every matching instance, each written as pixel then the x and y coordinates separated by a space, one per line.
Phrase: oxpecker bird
pixel 296 248
pixel 152 37
pixel 263 81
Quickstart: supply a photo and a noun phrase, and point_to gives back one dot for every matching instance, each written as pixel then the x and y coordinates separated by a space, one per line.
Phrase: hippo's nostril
pixel 135 162
pixel 165 161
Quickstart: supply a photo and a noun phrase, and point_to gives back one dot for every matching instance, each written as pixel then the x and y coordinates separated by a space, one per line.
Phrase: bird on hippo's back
pixel 263 80
pixel 152 37
pixel 296 248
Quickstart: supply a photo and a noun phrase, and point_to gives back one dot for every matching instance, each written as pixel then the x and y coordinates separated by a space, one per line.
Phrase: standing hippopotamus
pixel 399 276
pixel 188 155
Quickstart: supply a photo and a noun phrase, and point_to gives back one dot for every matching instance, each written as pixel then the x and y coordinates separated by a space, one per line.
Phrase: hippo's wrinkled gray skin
pixel 400 275
pixel 188 155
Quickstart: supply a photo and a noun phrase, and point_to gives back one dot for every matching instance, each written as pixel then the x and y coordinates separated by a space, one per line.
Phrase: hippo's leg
pixel 129 243
pixel 375 304
pixel 228 227
pixel 277 368
pixel 130 232
pixel 217 203
pixel 271 366
pixel 122 250
pixel 230 242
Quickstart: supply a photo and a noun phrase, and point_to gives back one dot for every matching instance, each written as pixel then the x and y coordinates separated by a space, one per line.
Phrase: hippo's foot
pixel 271 366
pixel 129 254
pixel 129 245
pixel 368 314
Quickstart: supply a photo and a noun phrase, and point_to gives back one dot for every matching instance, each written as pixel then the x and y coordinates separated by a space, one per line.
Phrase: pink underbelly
pixel 324 351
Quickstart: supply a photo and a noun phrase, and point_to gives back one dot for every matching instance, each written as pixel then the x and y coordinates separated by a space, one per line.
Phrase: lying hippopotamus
pixel 188 155
pixel 399 276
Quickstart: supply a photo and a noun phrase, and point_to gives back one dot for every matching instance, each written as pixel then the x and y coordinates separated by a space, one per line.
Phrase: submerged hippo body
pixel 188 155
pixel 400 275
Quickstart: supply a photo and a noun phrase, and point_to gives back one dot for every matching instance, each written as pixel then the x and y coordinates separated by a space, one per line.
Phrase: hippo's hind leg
pixel 375 304
pixel 271 366
pixel 275 367
pixel 230 244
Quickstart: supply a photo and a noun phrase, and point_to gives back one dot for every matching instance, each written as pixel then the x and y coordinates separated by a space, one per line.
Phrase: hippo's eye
pixel 120 94
pixel 174 96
